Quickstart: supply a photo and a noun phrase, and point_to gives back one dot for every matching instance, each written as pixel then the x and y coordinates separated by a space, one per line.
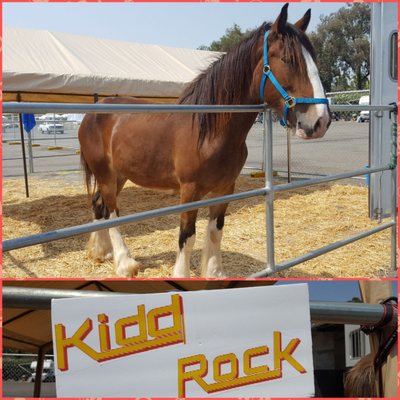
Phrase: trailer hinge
pixel 378 212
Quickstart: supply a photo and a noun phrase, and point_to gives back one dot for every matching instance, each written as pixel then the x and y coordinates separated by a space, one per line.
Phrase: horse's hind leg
pixel 211 260
pixel 125 265
pixel 99 246
pixel 106 201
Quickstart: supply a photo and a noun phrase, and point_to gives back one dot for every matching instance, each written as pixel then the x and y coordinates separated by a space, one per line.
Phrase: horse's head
pixel 290 81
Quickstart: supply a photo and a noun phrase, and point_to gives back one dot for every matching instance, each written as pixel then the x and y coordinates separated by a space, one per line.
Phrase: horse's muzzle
pixel 314 132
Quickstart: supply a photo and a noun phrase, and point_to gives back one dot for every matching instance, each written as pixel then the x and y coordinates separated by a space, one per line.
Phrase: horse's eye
pixel 285 61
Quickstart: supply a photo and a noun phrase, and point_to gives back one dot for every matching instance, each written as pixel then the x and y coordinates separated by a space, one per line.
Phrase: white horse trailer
pixel 383 92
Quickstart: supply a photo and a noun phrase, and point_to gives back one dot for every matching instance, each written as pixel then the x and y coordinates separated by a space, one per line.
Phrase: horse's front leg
pixel 187 235
pixel 211 260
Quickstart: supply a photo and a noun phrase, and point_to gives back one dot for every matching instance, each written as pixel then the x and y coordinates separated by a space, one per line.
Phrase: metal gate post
pixel 393 259
pixel 394 188
pixel 269 199
pixel 263 145
pixel 289 156
pixel 30 153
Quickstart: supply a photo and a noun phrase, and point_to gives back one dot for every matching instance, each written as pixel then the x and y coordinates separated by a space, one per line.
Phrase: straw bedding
pixel 304 220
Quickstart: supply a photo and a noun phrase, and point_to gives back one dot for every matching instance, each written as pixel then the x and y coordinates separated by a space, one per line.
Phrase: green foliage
pixel 342 45
pixel 356 300
pixel 348 98
pixel 341 42
pixel 232 36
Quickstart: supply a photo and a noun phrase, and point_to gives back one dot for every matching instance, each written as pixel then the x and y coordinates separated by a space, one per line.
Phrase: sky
pixel 338 290
pixel 186 25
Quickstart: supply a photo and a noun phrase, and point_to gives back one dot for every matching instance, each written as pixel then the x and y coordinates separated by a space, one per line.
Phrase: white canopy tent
pixel 48 66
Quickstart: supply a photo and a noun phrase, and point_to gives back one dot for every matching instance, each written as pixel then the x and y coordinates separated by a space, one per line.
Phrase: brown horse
pixel 199 154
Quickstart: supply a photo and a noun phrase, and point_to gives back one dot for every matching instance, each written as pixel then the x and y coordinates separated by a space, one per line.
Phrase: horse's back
pixel 93 125
pixel 122 100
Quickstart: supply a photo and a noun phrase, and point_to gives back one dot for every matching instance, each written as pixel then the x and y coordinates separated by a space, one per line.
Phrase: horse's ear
pixel 280 24
pixel 302 23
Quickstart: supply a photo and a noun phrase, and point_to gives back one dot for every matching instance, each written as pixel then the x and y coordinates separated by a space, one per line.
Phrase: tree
pixel 231 37
pixel 342 45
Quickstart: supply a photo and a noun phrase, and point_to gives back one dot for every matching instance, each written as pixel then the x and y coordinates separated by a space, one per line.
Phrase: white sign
pixel 253 342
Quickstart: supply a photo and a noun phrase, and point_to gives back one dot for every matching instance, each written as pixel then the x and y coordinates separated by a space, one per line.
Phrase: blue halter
pixel 290 101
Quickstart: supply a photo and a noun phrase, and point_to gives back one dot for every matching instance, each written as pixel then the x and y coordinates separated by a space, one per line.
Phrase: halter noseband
pixel 290 101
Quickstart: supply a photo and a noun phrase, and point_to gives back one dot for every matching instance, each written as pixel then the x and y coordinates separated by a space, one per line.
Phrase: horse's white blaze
pixel 315 111
pixel 99 246
pixel 125 265
pixel 211 263
pixel 182 264
pixel 313 74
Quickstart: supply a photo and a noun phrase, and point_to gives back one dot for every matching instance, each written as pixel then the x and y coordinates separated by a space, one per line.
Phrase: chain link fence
pixel 19 375
pixel 22 368
pixel 53 144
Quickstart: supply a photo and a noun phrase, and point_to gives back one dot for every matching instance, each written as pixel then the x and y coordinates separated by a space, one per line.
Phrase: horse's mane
pixel 227 80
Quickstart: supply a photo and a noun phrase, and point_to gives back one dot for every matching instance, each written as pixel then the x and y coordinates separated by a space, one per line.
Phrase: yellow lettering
pixel 286 354
pixel 175 309
pixel 63 343
pixel 228 380
pixel 225 359
pixel 128 344
pixel 104 333
pixel 195 375
pixel 123 323
pixel 247 357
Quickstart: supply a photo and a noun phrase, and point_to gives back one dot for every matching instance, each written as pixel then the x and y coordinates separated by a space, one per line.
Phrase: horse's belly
pixel 147 163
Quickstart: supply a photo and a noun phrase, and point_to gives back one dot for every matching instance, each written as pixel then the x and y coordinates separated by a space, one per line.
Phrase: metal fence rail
pixel 268 191
pixel 321 311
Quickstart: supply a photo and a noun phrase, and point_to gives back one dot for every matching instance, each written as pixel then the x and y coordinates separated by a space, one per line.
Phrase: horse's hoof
pixel 216 275
pixel 99 247
pixel 128 268
pixel 99 258
pixel 174 275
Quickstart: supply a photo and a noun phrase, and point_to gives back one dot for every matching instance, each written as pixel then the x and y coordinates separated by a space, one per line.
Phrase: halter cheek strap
pixel 290 101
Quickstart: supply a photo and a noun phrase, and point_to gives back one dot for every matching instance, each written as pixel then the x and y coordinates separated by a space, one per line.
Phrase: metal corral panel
pixel 383 92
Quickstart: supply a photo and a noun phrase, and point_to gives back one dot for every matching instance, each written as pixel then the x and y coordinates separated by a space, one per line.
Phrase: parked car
pixel 49 127
pixel 260 118
pixel 335 116
pixel 8 125
pixel 364 115
pixel 47 374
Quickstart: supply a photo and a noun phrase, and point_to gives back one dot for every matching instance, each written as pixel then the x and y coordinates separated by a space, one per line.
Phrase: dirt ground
pixel 304 220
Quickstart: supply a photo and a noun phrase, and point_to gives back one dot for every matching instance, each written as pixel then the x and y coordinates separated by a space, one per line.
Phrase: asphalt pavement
pixel 344 148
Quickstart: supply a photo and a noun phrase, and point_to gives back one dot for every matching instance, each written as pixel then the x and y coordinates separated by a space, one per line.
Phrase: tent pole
pixel 39 371
pixel 21 130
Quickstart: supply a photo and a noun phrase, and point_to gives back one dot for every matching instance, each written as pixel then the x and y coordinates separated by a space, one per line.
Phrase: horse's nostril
pixel 309 132
pixel 317 124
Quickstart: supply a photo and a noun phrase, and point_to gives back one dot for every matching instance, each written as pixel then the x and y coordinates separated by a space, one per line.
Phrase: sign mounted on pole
pixel 222 343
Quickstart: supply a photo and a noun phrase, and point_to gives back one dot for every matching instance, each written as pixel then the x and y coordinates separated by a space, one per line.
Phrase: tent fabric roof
pixel 28 329
pixel 42 61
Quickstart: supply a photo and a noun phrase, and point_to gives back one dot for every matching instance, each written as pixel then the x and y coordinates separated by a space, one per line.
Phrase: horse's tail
pixel 360 380
pixel 90 180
